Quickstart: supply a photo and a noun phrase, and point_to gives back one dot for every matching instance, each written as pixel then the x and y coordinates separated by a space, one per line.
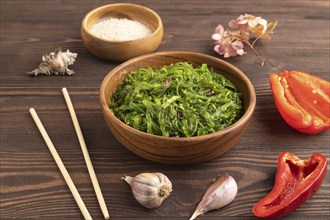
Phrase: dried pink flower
pixel 236 26
pixel 229 43
pixel 251 20
pixel 218 33
pixel 229 49
pixel 225 45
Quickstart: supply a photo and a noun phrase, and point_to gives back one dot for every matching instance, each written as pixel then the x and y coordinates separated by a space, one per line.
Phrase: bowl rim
pixel 156 31
pixel 243 120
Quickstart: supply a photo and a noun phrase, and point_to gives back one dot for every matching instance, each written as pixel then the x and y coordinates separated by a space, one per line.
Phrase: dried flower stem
pixel 262 62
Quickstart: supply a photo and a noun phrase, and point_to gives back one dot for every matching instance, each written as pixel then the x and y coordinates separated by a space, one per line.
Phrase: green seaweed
pixel 178 100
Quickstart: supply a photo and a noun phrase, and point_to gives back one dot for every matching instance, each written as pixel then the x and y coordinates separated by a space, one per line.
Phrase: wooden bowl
pixel 122 50
pixel 177 150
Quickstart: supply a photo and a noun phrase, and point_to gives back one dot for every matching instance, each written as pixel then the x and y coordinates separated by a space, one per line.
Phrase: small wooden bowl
pixel 122 50
pixel 177 150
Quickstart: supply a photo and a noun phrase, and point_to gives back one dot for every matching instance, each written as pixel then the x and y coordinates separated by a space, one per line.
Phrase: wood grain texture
pixel 31 186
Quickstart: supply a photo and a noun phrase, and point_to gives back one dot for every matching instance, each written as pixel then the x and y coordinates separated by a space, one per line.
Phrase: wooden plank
pixel 38 185
pixel 31 187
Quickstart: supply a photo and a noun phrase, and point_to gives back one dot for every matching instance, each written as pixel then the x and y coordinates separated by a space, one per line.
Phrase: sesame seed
pixel 121 29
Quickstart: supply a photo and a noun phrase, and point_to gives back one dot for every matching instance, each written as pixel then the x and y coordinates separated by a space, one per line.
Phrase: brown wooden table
pixel 31 185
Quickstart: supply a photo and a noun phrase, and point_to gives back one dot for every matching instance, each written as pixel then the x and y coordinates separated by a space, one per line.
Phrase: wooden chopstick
pixel 60 165
pixel 88 161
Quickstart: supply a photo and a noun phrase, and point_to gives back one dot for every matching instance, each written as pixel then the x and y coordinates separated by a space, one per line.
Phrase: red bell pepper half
pixel 295 182
pixel 303 100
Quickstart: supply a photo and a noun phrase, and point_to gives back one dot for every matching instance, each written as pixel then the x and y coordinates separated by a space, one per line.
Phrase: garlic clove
pixel 220 193
pixel 150 189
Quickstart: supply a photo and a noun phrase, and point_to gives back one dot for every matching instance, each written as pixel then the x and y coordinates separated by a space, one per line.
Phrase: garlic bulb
pixel 56 62
pixel 221 192
pixel 150 189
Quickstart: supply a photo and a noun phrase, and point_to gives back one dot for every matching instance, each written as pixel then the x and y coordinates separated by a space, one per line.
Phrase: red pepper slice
pixel 303 100
pixel 295 182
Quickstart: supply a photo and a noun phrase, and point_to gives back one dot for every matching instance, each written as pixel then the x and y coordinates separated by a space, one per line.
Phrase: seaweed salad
pixel 178 100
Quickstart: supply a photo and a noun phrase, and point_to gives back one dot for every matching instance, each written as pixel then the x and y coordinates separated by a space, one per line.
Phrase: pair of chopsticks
pixel 61 166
